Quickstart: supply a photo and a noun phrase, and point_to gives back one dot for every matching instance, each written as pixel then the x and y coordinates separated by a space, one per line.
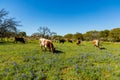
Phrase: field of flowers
pixel 70 62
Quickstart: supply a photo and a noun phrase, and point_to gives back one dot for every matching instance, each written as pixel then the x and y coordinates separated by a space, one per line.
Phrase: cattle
pixel 70 41
pixel 78 42
pixel 19 39
pixel 61 40
pixel 46 44
pixel 96 43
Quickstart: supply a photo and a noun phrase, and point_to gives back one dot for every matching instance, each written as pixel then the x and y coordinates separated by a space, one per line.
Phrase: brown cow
pixel 46 44
pixel 69 40
pixel 96 43
pixel 78 42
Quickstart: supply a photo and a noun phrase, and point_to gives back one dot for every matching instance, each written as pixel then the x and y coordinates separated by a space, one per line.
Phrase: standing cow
pixel 78 42
pixel 62 40
pixel 19 39
pixel 69 40
pixel 46 44
pixel 96 43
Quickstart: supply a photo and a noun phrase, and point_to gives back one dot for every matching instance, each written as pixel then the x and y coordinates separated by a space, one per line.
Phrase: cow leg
pixel 42 47
pixel 97 46
pixel 45 47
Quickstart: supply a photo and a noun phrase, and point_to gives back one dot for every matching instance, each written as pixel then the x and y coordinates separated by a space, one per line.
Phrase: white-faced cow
pixel 96 43
pixel 46 44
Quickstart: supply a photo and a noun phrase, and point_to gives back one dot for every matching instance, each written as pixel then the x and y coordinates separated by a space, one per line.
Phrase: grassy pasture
pixel 71 62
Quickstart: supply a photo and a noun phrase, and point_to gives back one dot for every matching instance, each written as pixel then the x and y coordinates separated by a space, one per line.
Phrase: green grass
pixel 84 62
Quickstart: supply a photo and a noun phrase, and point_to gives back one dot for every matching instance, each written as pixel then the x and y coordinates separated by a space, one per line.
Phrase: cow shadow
pixel 103 48
pixel 58 52
pixel 2 42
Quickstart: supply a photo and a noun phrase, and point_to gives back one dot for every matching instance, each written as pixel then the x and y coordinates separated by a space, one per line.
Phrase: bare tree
pixel 7 25
pixel 44 31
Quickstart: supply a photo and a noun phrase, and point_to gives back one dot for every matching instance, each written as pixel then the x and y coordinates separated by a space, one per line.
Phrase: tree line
pixel 104 35
pixel 9 28
pixel 112 35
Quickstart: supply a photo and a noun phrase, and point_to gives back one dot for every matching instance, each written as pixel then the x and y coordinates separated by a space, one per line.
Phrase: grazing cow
pixel 61 41
pixel 96 43
pixel 46 44
pixel 69 40
pixel 78 42
pixel 20 40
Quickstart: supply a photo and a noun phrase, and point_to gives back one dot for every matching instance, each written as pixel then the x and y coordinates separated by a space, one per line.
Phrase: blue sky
pixel 64 16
